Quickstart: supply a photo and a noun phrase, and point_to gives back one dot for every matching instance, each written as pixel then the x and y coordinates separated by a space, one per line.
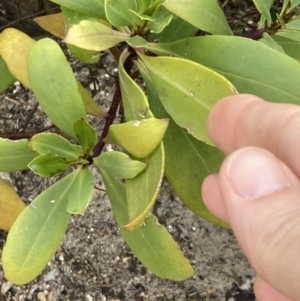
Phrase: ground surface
pixel 93 262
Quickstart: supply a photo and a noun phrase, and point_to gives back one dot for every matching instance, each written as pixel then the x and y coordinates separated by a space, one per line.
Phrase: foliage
pixel 162 131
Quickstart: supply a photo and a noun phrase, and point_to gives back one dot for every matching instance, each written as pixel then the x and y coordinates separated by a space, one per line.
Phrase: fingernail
pixel 254 173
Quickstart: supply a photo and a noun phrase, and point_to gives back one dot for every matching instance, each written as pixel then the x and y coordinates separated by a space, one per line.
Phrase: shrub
pixel 162 131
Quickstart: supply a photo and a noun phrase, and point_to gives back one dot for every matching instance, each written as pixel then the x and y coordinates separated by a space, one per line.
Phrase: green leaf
pixel 151 243
pixel 49 165
pixel 94 36
pixel 92 7
pixel 142 191
pixel 15 154
pixel 294 23
pixel 294 4
pixel 288 33
pixel 270 42
pixel 264 6
pixel 11 206
pixel 264 78
pixel 14 48
pixel 134 100
pixel 162 18
pixel 284 7
pixel 291 30
pixel 188 161
pixel 178 29
pixel 143 5
pixel 139 137
pixel 86 135
pixel 72 17
pixel 135 41
pixel 188 100
pixel 119 165
pixel 141 17
pixel 153 7
pixel 206 15
pixel 37 233
pixel 82 191
pixel 290 47
pixel 53 144
pixel 54 85
pixel 90 105
pixel 157 250
pixel 118 12
pixel 6 77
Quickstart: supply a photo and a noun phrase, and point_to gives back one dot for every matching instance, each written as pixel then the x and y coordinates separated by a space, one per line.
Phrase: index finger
pixel 246 120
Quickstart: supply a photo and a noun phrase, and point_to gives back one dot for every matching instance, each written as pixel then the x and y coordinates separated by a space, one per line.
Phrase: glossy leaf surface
pixel 86 135
pixel 151 243
pixel 264 78
pixel 48 165
pixel 53 144
pixel 139 137
pixel 53 23
pixel 94 36
pixel 15 154
pixel 206 15
pixel 82 191
pixel 37 233
pixel 72 17
pixel 54 85
pixel 188 161
pixel 11 206
pixel 92 7
pixel 6 77
pixel 188 100
pixel 14 48
pixel 119 165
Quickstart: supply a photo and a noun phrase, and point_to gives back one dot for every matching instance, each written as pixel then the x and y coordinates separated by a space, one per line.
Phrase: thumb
pixel 261 196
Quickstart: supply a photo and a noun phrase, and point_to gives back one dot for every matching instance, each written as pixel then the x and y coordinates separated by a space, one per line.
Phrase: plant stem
pixel 109 120
pixel 254 35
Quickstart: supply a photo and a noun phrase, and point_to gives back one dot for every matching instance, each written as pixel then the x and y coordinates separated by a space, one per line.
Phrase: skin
pixel 257 189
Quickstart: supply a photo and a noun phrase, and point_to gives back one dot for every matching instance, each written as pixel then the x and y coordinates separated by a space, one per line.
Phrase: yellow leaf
pixel 52 23
pixel 14 49
pixel 91 107
pixel 11 206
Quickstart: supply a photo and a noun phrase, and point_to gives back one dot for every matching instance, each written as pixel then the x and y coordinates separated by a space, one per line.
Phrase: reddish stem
pixel 109 120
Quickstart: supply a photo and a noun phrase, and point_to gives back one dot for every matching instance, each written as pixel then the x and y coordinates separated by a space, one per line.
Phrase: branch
pixel 109 120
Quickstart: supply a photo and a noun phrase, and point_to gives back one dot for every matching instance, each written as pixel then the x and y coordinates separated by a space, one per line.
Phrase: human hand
pixel 257 190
